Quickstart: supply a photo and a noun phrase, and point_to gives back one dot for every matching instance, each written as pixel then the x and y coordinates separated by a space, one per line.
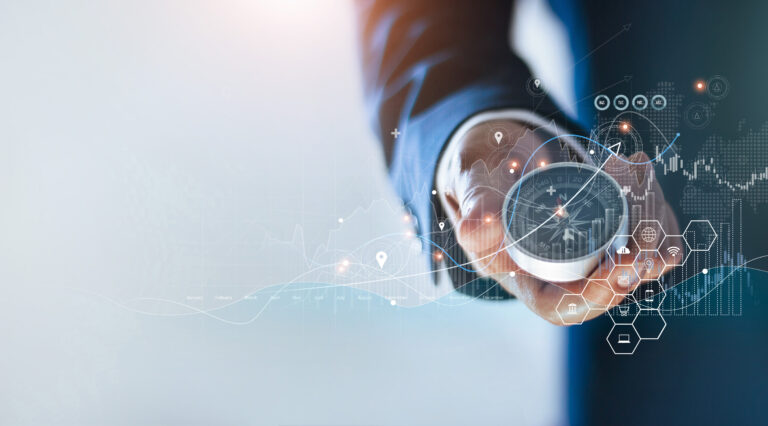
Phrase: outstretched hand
pixel 475 175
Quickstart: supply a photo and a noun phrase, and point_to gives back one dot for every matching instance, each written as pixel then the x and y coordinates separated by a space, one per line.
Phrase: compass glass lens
pixel 564 211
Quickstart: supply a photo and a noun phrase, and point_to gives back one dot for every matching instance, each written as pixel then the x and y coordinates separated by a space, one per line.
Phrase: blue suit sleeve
pixel 429 65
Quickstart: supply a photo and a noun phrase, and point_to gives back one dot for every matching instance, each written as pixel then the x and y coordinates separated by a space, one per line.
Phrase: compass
pixel 561 218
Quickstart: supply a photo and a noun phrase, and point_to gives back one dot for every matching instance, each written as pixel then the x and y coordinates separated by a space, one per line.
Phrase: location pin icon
pixel 498 136
pixel 537 83
pixel 381 258
pixel 441 225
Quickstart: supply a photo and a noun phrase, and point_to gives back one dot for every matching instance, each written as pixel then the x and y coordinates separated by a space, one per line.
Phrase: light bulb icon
pixel 648 264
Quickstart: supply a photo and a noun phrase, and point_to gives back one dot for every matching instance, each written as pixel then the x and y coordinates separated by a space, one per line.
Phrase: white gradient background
pixel 143 144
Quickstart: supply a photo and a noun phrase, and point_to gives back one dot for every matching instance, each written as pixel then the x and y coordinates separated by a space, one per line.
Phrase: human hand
pixel 473 179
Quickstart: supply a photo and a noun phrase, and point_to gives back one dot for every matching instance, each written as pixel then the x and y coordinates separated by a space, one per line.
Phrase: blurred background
pixel 160 161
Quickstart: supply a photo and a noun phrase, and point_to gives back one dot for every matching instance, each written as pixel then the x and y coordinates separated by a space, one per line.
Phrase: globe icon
pixel 648 234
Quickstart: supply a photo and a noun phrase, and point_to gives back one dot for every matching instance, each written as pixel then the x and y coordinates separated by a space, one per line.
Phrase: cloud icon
pixel 623 250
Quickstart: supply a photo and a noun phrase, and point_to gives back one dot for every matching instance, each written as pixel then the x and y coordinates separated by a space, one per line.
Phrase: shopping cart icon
pixel 623 310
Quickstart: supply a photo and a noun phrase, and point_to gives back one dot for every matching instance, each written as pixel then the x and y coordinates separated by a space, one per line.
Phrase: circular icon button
pixel 640 102
pixel 602 103
pixel 620 102
pixel 658 102
pixel 717 87
pixel 697 115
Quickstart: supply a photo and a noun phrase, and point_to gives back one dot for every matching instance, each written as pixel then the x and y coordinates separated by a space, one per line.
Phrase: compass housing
pixel 571 253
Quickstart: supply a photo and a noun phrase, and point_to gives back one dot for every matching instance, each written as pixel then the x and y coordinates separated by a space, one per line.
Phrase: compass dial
pixel 564 213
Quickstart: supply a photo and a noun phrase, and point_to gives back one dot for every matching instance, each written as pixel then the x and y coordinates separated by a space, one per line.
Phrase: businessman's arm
pixel 429 67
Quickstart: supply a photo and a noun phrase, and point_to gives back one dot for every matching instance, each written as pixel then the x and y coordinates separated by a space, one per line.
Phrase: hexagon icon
pixel 624 276
pixel 598 292
pixel 623 339
pixel 649 265
pixel 649 294
pixel 648 234
pixel 572 309
pixel 674 250
pixel 699 235
pixel 626 311
pixel 625 253
pixel 650 324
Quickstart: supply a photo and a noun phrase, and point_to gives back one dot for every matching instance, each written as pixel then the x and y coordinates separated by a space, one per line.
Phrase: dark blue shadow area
pixel 707 368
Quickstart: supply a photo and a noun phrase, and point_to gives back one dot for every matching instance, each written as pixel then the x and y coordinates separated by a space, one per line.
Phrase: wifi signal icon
pixel 673 250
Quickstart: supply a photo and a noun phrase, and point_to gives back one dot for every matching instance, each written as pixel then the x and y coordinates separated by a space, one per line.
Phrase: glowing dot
pixel 408 234
pixel 393 302
pixel 345 262
pixel 543 164
pixel 438 255
pixel 406 218
pixel 514 164
pixel 487 219
pixel 512 274
pixel 511 170
pixel 591 152
pixel 341 220
pixel 705 271
pixel 434 192
pixel 700 86
pixel 340 269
